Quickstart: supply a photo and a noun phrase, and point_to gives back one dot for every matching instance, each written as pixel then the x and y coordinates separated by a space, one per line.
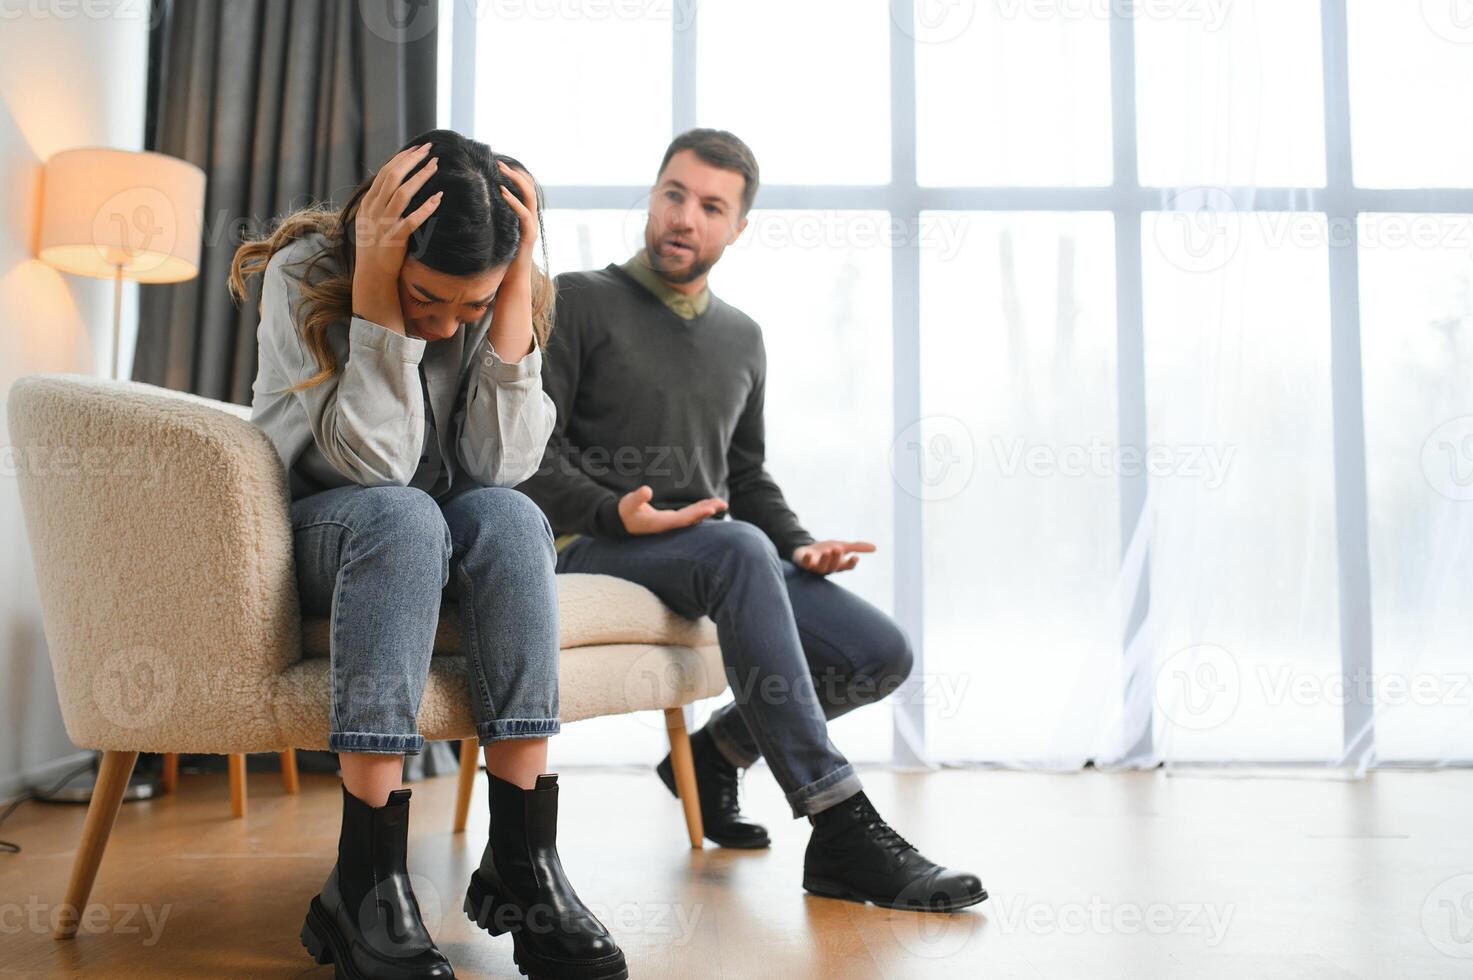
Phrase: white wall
pixel 71 74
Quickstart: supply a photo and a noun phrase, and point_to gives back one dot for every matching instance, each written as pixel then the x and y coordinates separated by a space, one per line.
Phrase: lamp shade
pixel 103 210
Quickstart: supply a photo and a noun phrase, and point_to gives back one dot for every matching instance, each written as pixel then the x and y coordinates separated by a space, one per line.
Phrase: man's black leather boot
pixel 366 920
pixel 854 854
pixel 521 888
pixel 716 782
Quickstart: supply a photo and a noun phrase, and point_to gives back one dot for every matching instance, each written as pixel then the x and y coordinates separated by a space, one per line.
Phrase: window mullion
pixel 1352 515
pixel 909 715
pixel 1135 745
pixel 683 67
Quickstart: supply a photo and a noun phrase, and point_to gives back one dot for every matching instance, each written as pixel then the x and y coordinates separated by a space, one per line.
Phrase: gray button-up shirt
pixel 471 419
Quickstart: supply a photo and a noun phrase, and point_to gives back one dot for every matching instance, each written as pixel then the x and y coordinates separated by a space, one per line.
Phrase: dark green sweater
pixel 647 397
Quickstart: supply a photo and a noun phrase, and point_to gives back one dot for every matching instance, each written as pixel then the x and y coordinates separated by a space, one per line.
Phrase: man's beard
pixel 698 268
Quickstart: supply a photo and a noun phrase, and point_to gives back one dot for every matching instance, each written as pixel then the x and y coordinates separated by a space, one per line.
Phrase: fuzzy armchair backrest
pixel 162 546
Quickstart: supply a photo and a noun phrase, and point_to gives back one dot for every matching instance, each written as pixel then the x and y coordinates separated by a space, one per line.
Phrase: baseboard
pixel 43 775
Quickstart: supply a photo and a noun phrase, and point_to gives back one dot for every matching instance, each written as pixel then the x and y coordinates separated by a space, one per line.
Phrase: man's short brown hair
pixel 720 149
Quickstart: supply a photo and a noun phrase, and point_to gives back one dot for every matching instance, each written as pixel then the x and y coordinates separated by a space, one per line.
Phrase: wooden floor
pixel 1092 875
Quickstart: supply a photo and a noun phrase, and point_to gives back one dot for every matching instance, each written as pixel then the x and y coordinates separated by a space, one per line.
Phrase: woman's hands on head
pixel 526 213
pixel 381 235
pixel 511 319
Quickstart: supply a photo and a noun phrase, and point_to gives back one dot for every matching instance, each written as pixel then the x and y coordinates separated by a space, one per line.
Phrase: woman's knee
pixel 506 519
pixel 405 522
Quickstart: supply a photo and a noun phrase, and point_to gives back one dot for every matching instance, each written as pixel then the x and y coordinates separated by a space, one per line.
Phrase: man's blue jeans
pixel 798 648
pixel 380 560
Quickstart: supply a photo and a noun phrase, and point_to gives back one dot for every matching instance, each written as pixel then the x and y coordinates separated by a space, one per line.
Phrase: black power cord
pixel 10 847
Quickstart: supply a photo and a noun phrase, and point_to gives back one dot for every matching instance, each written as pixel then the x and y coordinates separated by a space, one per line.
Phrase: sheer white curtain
pixel 1022 542
pixel 1417 335
pixel 1416 291
pixel 1027 580
pixel 1243 558
pixel 1237 344
pixel 957 217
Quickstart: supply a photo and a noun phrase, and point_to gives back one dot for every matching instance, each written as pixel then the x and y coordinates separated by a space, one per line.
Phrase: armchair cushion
pixel 593 610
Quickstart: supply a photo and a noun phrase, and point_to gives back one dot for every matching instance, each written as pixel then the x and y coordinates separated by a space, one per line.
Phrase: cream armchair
pixel 162 546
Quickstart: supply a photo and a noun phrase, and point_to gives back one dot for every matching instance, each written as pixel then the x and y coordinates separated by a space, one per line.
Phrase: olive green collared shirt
pixel 684 306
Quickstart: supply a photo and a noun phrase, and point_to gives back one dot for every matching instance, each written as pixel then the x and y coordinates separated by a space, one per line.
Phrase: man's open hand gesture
pixel 641 518
pixel 823 557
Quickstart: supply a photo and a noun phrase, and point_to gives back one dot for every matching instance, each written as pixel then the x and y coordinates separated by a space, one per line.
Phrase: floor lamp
pixel 120 214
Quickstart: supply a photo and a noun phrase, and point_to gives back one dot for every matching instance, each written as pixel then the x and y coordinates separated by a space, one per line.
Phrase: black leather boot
pixel 521 888
pixel 366 921
pixel 854 854
pixel 716 782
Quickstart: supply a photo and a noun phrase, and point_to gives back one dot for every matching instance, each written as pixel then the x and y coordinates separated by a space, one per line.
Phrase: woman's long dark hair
pixel 472 230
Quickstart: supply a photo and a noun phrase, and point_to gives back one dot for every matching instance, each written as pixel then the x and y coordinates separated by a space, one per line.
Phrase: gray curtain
pixel 283 103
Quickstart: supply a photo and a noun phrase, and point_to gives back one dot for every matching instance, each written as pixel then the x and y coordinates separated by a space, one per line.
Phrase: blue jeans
pixel 798 648
pixel 380 561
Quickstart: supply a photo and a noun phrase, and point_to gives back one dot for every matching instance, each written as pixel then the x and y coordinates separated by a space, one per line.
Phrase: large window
pixel 1138 336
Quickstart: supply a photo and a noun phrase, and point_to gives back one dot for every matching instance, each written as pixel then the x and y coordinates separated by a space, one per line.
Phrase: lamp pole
pixel 117 314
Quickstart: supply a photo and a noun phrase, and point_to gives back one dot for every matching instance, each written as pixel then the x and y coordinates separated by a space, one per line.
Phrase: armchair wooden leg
pixel 469 753
pixel 107 796
pixel 171 772
pixel 289 781
pixel 237 784
pixel 685 774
